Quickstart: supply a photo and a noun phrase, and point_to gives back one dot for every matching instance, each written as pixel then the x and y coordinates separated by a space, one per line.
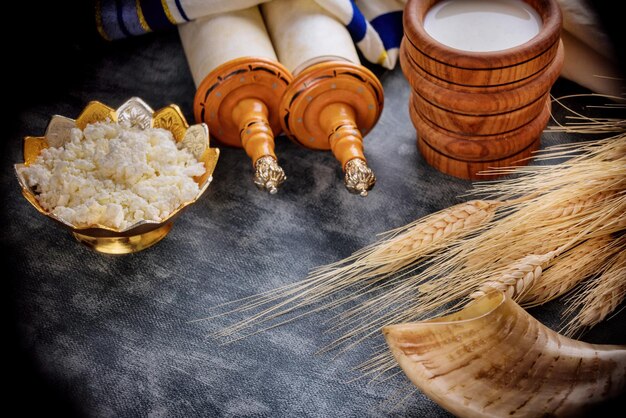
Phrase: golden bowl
pixel 137 113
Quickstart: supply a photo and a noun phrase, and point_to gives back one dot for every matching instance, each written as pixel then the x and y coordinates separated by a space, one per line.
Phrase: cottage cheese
pixel 114 176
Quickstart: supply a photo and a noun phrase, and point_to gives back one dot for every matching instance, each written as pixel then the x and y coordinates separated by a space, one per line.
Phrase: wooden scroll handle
pixel 239 101
pixel 330 106
pixel 346 144
pixel 257 140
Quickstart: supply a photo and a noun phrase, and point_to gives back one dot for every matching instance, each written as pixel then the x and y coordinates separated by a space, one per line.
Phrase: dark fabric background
pixel 96 335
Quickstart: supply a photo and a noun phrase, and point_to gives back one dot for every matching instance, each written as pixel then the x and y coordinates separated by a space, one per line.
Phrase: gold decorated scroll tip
pixel 268 175
pixel 359 178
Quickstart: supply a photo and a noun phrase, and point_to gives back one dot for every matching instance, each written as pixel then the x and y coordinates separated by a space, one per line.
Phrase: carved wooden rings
pixel 474 110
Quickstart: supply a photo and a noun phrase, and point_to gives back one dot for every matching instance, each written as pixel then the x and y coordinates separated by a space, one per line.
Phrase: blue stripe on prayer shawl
pixel 181 10
pixel 109 24
pixel 120 18
pixel 357 26
pixel 389 28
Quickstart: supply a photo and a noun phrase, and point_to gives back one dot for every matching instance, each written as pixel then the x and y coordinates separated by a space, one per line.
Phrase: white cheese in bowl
pixel 114 175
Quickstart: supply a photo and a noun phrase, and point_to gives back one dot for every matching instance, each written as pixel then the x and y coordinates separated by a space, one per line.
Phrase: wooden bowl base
pixel 478 148
pixel 470 170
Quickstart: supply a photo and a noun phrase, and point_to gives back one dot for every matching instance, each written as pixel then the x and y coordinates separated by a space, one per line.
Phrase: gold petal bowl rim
pixel 128 231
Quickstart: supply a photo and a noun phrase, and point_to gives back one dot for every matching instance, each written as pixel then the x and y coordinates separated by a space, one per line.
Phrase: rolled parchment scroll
pixel 375 25
pixel 239 86
pixel 333 101
pixel 305 34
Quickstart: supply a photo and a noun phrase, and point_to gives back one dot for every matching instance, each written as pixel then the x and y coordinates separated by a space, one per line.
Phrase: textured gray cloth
pixel 112 335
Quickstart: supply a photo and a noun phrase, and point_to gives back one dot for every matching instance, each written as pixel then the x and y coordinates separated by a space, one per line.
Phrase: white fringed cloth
pixel 376 29
pixel 374 25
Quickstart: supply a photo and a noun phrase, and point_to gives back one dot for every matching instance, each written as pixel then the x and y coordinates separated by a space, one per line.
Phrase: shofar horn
pixel 493 359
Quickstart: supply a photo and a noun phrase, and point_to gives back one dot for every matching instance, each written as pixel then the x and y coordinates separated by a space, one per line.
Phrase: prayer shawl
pixel 376 28
pixel 375 25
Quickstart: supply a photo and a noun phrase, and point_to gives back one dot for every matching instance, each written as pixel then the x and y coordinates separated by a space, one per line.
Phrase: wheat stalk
pixel 580 158
pixel 579 123
pixel 579 204
pixel 544 221
pixel 434 264
pixel 569 269
pixel 601 296
pixel 538 215
pixel 400 249
pixel 606 299
pixel 405 245
pixel 523 227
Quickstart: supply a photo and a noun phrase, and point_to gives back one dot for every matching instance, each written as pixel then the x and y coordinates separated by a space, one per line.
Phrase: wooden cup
pixel 476 110
pixel 492 68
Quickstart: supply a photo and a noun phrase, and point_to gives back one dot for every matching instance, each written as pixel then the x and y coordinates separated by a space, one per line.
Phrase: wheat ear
pixel 569 269
pixel 402 246
pixel 580 204
pixel 446 223
pixel 519 277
